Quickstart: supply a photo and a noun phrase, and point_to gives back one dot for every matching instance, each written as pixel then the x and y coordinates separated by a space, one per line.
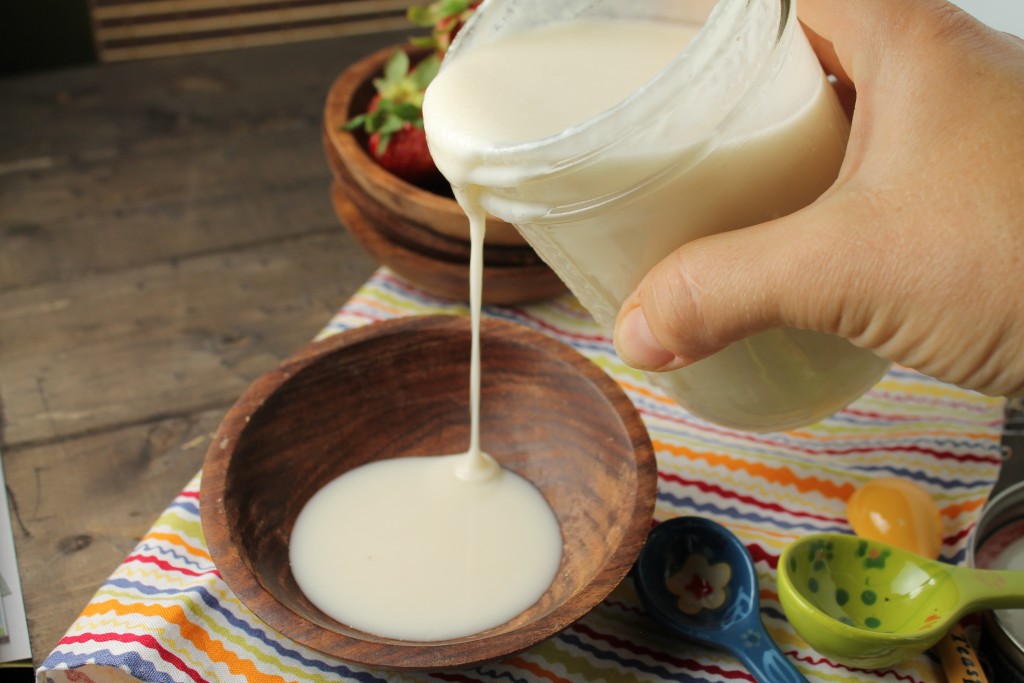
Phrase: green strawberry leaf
pixel 406 112
pixel 397 66
pixel 429 15
pixel 426 70
pixel 390 126
pixel 421 16
pixel 425 42
pixel 452 7
pixel 355 122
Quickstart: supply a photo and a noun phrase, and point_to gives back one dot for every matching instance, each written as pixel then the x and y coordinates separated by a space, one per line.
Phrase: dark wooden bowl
pixel 400 388
pixel 518 280
pixel 349 96
pixel 415 236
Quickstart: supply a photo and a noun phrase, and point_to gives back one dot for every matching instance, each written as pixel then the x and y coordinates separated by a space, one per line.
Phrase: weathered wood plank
pixel 132 210
pixel 80 506
pixel 163 160
pixel 165 237
pixel 88 112
pixel 150 29
pixel 166 339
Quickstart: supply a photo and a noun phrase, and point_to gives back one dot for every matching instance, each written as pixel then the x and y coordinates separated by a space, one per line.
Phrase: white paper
pixel 14 643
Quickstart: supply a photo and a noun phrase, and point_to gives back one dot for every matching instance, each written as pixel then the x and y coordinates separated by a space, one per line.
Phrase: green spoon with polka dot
pixel 870 605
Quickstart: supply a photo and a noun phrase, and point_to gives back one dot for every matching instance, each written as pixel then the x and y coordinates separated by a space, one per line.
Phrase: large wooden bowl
pixel 400 388
pixel 349 96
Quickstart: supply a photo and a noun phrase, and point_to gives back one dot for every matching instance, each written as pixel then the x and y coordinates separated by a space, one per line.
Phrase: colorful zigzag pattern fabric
pixel 165 615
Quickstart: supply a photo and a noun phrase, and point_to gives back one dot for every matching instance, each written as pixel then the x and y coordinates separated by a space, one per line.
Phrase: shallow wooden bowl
pixel 349 96
pixel 400 388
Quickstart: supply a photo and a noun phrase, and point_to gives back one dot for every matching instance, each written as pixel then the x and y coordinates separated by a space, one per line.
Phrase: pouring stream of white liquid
pixel 440 547
pixel 429 548
pixel 477 465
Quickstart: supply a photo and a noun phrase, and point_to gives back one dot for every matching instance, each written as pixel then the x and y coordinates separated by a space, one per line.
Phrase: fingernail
pixel 636 344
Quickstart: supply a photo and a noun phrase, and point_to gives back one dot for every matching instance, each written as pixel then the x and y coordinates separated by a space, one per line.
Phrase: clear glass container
pixel 741 127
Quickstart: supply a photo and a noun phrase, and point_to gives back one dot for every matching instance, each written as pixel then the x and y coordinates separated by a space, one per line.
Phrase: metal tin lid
pixel 1000 525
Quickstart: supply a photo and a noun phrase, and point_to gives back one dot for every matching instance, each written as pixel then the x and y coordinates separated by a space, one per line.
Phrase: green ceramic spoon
pixel 867 604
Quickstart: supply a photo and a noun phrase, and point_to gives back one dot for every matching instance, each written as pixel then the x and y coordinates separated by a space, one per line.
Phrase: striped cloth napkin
pixel 165 615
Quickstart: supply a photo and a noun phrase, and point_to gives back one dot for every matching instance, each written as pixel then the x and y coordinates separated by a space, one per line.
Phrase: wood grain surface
pixel 547 414
pixel 166 236
pixel 138 29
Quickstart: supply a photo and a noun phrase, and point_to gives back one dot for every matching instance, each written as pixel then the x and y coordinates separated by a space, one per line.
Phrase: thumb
pixel 790 272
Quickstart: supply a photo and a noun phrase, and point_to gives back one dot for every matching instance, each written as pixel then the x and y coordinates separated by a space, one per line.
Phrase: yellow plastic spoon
pixel 903 514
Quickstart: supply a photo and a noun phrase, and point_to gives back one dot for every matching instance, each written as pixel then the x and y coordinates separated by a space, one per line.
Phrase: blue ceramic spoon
pixel 697 578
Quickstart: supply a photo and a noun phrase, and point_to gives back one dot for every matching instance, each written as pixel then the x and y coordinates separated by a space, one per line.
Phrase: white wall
pixel 1005 15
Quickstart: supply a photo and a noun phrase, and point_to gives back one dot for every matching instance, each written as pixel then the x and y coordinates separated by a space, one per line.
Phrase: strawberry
pixel 394 119
pixel 405 154
pixel 445 18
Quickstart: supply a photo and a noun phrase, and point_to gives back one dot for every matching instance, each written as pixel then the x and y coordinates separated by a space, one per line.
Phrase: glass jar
pixel 741 127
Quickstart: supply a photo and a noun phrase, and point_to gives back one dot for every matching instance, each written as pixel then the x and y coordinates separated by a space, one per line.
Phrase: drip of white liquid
pixel 477 465
pixel 429 548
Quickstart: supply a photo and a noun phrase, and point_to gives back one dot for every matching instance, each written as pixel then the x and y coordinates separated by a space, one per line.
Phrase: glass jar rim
pixel 763 36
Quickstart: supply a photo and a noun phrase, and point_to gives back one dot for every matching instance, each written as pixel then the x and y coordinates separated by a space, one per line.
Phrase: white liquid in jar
pixel 433 547
pixel 771 158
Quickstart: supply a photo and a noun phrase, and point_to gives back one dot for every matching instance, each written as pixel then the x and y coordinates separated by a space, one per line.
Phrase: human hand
pixel 917 250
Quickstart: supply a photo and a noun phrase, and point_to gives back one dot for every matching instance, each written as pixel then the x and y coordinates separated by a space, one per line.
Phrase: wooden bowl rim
pixel 419 656
pixel 355 157
pixel 417 236
pixel 408 262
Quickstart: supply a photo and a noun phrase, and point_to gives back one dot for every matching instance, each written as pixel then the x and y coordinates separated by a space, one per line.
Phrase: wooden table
pixel 166 236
